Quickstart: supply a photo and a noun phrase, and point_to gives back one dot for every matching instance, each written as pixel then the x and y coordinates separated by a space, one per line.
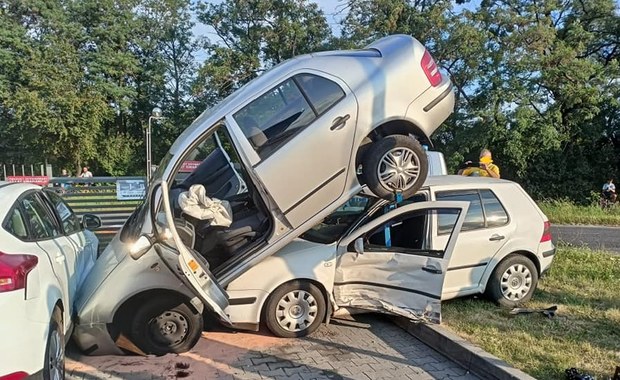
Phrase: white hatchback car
pixel 357 259
pixel 45 255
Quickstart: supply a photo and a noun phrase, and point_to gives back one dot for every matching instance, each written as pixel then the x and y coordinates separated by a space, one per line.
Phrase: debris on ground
pixel 548 312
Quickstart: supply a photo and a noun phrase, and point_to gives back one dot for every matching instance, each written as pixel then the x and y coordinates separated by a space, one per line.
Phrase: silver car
pixel 281 153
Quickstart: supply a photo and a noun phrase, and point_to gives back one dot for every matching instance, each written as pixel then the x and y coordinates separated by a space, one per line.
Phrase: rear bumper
pixel 23 343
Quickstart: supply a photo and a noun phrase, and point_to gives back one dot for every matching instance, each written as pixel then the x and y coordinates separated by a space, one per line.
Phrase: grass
pixel 585 333
pixel 564 212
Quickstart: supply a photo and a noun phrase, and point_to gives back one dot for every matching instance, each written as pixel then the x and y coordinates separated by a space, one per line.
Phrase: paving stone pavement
pixel 371 347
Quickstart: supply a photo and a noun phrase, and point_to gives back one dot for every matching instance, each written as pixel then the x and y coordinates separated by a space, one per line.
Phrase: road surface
pixel 371 347
pixel 595 237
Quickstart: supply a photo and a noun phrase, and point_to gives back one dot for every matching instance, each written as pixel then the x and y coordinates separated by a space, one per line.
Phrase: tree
pixel 253 35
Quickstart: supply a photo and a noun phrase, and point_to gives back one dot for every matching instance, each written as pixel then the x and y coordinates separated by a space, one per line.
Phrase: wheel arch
pixel 122 314
pixel 530 255
pixel 392 127
pixel 314 282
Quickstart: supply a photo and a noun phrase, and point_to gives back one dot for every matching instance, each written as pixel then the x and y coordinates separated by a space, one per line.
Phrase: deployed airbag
pixel 197 204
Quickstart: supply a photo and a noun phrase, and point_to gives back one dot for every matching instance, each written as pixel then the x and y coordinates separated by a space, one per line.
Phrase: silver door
pixel 194 270
pixel 308 171
pixel 403 275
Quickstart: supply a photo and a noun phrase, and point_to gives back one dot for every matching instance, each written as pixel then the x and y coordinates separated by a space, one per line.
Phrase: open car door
pixel 389 264
pixel 194 269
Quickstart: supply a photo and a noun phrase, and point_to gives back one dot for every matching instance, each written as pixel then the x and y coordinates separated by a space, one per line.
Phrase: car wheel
pixel 513 281
pixel 295 309
pixel 393 164
pixel 166 325
pixel 54 365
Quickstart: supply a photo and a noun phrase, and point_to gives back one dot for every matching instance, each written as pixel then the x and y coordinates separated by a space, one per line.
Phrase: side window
pixel 16 224
pixel 213 163
pixel 474 218
pixel 408 233
pixel 494 211
pixel 70 222
pixel 269 121
pixel 41 224
pixel 322 92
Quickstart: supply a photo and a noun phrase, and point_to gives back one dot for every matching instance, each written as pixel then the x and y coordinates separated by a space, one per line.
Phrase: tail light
pixel 430 69
pixel 14 376
pixel 546 236
pixel 14 271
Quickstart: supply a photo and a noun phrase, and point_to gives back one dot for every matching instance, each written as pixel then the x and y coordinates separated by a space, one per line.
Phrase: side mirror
pixel 359 245
pixel 91 222
pixel 139 247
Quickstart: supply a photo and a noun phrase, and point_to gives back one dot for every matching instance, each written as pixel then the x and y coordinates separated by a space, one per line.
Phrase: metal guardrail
pixel 97 196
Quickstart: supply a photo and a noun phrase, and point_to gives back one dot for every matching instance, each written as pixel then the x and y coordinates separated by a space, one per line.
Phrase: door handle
pixel 432 270
pixel 496 237
pixel 339 122
pixel 60 258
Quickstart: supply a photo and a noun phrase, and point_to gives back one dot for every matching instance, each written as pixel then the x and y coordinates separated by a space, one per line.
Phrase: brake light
pixel 546 236
pixel 430 69
pixel 14 376
pixel 14 271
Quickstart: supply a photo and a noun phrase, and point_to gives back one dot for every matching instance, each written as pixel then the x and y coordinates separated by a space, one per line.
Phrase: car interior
pixel 224 178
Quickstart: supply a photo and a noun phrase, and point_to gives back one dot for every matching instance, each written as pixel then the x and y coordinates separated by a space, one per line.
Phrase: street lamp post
pixel 155 115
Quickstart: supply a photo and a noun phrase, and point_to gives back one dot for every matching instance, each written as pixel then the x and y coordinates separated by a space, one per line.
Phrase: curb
pixel 472 358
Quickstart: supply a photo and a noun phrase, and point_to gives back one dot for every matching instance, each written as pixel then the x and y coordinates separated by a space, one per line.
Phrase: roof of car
pixel 452 180
pixel 337 61
pixel 9 192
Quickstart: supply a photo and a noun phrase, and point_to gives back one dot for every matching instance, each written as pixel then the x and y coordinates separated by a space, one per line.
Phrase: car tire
pixel 165 325
pixel 295 309
pixel 54 362
pixel 513 281
pixel 384 171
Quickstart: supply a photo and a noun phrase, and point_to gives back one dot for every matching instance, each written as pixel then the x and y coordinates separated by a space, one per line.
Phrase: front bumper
pixel 94 339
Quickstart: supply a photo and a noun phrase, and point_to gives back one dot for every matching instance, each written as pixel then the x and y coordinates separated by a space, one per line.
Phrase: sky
pixel 334 11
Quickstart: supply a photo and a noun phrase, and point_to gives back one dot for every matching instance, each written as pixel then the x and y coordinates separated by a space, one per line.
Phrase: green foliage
pixel 537 82
pixel 583 284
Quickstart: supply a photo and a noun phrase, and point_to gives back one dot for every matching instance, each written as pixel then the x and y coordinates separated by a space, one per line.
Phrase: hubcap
pixel 56 357
pixel 516 282
pixel 169 328
pixel 296 310
pixel 398 169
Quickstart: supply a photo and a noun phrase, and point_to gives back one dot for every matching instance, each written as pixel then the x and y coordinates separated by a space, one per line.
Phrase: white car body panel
pixel 53 281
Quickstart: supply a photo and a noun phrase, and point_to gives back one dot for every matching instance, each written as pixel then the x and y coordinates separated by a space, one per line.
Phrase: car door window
pixel 494 212
pixel 485 210
pixel 70 222
pixel 16 225
pixel 322 92
pixel 474 218
pixel 274 118
pixel 408 233
pixel 269 121
pixel 42 226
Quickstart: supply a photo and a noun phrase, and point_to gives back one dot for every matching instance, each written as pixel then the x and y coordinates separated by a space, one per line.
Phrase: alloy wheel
pixel 398 169
pixel 56 360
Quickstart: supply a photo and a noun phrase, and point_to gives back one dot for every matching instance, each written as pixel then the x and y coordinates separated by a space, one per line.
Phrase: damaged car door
pixel 390 265
pixel 190 266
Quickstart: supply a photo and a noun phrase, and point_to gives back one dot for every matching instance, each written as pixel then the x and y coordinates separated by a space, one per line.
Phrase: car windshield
pixel 338 222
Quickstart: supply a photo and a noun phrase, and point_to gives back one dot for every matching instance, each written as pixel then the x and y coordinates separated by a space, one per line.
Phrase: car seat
pixel 218 244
